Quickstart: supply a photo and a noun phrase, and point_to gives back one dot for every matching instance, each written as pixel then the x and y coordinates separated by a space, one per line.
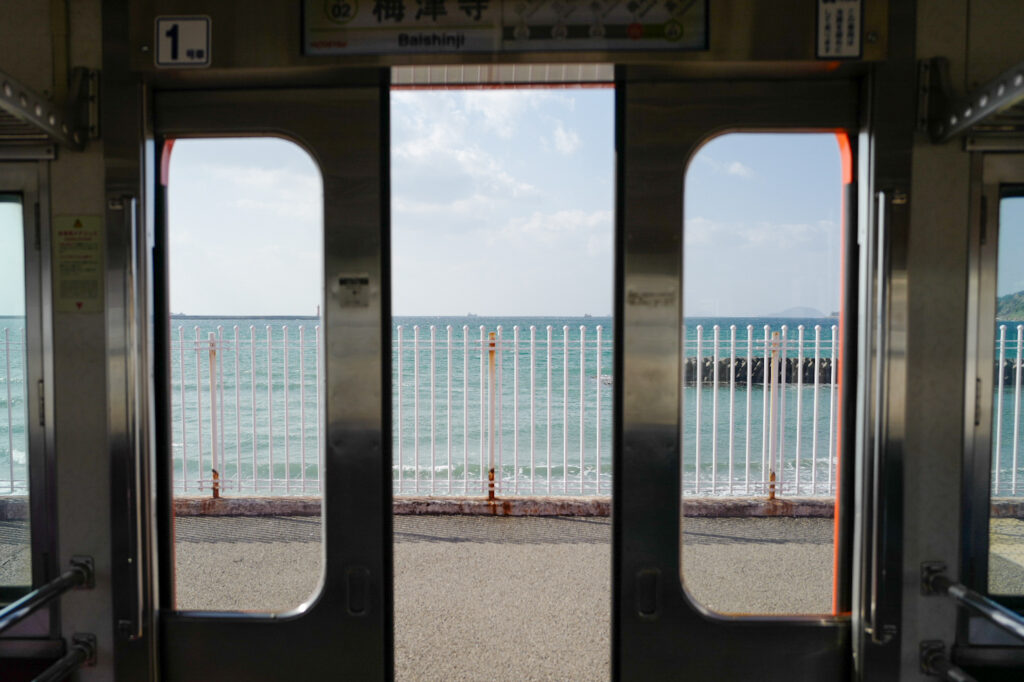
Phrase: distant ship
pixel 587 315
pixel 471 315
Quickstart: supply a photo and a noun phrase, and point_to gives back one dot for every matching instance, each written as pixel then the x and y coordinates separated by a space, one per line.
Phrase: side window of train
pixel 15 554
pixel 761 423
pixel 245 401
pixel 1006 532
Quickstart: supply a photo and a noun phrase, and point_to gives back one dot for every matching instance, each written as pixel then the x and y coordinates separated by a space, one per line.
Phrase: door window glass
pixel 15 550
pixel 1006 538
pixel 244 235
pixel 762 286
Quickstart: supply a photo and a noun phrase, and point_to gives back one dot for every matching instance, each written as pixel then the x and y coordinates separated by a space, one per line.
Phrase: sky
pixel 1010 277
pixel 12 259
pixel 763 225
pixel 502 204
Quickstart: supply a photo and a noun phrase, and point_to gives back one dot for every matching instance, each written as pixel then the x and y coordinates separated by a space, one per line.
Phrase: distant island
pixel 1010 307
pixel 799 311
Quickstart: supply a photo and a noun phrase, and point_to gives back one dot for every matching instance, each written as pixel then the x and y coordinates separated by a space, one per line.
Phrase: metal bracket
pixel 948 114
pixel 86 642
pixel 71 125
pixel 87 567
pixel 931 650
pixel 930 569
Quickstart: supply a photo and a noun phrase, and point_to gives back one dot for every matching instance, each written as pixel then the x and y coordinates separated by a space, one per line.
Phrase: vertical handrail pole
pixel 765 392
pixel 773 414
pixel 799 400
pixel 252 401
pixel 750 382
pixel 10 410
pixel 199 408
pixel 999 406
pixel 302 405
pixel 597 411
pixel 287 425
pixel 184 439
pixel 499 431
pixel 490 430
pixel 416 408
pixel 716 334
pixel 698 384
pixel 784 351
pixel 583 357
pixel 515 406
pixel 319 407
pixel 549 410
pixel 1016 403
pixel 222 451
pixel 832 413
pixel 565 409
pixel 448 395
pixel 814 425
pixel 533 413
pixel 433 409
pixel 683 452
pixel 401 459
pixel 238 415
pixel 465 409
pixel 483 406
pixel 270 409
pixel 732 398
pixel 214 473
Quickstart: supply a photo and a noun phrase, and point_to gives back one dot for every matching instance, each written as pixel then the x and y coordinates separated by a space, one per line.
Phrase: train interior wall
pixel 39 41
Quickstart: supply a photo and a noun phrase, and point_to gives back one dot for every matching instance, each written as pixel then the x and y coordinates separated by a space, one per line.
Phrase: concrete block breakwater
pixel 1009 369
pixel 737 367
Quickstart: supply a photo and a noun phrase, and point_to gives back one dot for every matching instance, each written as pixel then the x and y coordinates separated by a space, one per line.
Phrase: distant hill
pixel 1010 307
pixel 800 311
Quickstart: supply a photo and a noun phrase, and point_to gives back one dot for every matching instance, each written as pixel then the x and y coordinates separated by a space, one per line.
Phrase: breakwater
pixel 1009 372
pixel 790 368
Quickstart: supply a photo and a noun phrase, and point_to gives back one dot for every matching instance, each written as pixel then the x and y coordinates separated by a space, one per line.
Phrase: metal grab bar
pixel 80 575
pixel 935 581
pixel 82 652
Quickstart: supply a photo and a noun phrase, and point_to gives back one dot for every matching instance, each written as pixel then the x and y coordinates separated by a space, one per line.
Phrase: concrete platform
pixel 506 598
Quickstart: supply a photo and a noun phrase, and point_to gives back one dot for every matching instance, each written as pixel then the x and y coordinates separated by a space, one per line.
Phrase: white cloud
pixel 503 110
pixel 548 228
pixel 735 168
pixel 435 138
pixel 475 205
pixel 566 141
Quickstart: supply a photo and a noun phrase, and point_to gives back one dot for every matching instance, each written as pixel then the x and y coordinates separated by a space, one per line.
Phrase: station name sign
pixel 395 27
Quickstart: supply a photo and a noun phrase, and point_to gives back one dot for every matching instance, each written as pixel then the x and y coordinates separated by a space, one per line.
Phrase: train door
pixel 344 629
pixel 992 541
pixel 25 420
pixel 659 629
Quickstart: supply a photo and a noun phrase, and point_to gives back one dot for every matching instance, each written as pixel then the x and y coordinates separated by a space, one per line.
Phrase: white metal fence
pixel 1006 429
pixel 533 404
pixel 760 411
pixel 13 434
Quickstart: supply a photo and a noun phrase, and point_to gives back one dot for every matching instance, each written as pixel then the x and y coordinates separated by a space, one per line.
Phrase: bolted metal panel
pixel 658 629
pixel 345 129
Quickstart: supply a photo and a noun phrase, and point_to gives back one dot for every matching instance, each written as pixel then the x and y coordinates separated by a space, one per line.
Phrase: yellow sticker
pixel 78 264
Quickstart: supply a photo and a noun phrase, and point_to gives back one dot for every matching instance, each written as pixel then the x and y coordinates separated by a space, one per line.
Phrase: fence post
pixel 490 426
pixel 213 415
pixel 773 412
